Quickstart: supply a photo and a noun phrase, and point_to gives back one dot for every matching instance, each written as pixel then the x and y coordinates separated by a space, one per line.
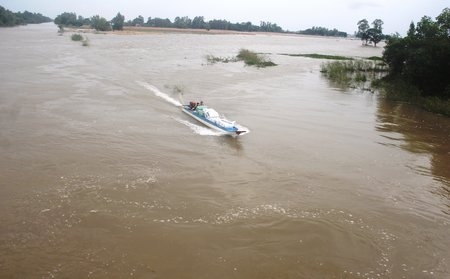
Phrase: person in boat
pixel 192 105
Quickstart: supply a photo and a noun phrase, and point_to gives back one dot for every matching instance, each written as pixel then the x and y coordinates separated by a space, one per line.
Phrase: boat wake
pixel 200 130
pixel 158 93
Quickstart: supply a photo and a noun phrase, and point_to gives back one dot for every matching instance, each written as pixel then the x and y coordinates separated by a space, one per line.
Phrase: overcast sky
pixel 291 15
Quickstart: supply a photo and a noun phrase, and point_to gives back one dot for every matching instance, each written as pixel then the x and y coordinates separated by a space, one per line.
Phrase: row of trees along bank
pixel 118 22
pixel 198 22
pixel 8 18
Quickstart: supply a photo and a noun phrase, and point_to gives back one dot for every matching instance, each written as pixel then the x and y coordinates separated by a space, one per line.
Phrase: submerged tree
pixel 367 34
pixel 363 26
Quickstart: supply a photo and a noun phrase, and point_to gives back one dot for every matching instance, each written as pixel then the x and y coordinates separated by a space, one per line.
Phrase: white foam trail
pixel 159 93
pixel 200 130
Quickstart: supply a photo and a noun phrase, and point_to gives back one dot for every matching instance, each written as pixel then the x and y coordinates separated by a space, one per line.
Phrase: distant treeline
pixel 8 18
pixel 198 22
pixel 322 31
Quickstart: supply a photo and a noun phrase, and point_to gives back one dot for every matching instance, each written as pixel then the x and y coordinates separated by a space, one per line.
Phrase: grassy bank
pixel 368 74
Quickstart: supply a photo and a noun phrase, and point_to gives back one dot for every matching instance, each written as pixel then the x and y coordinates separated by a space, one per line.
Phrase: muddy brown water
pixel 102 176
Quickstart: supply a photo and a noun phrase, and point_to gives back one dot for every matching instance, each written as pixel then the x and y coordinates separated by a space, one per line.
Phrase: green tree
pixel 219 24
pixel 378 24
pixel 412 30
pixel 443 20
pixel 322 31
pixel 66 19
pixel 269 27
pixel 198 22
pixel 182 22
pixel 427 28
pixel 374 34
pixel 139 21
pixel 363 26
pixel 82 21
pixel 422 58
pixel 117 22
pixel 7 18
pixel 100 23
pixel 159 22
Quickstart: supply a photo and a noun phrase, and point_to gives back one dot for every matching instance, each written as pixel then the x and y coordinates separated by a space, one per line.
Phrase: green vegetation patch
pixel 375 58
pixel 214 59
pixel 77 37
pixel 251 58
pixel 320 56
pixel 353 73
pixel 330 57
pixel 9 18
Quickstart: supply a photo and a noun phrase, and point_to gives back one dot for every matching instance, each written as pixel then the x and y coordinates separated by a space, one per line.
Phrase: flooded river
pixel 102 176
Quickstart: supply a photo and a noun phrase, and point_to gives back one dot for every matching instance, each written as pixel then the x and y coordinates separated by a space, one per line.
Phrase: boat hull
pixel 234 131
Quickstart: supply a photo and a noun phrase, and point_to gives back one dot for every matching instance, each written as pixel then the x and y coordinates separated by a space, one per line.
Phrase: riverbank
pixel 369 74
pixel 136 30
pixel 400 91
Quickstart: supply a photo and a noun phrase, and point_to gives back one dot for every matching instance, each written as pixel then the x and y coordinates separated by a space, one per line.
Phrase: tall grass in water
pixel 214 59
pixel 254 59
pixel 351 73
pixel 250 58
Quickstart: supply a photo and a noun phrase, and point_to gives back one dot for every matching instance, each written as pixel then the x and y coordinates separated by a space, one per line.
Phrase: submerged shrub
pixel 77 37
pixel 85 42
